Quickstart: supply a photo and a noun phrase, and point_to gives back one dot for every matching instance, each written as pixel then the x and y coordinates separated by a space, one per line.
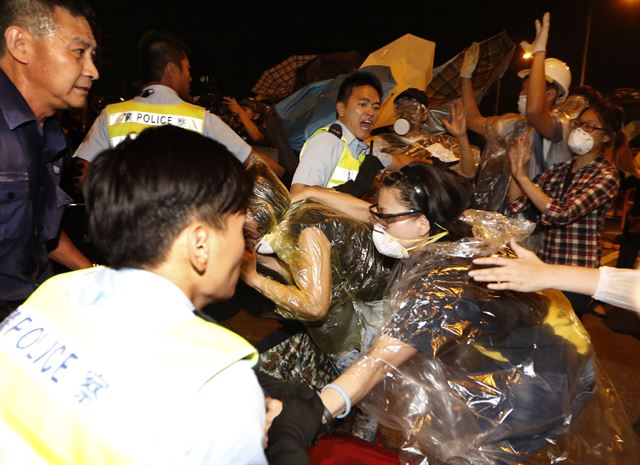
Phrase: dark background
pixel 234 41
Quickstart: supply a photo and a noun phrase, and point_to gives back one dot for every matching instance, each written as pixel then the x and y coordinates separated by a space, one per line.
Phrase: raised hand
pixel 458 124
pixel 470 60
pixel 539 44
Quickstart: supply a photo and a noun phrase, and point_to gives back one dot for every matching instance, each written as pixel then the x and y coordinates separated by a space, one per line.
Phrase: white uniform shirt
pixel 97 139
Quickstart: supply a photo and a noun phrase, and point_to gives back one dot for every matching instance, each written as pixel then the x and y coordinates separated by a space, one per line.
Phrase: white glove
pixel 470 60
pixel 542 35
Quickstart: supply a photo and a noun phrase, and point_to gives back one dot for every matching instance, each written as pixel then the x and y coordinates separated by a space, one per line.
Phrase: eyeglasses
pixel 411 107
pixel 586 125
pixel 389 218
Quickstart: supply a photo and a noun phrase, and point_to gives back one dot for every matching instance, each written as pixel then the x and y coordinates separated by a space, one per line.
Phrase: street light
pixel 587 36
pixel 585 48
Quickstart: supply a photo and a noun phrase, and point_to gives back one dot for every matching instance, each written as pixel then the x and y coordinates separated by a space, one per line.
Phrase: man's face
pixel 227 246
pixel 361 111
pixel 62 69
pixel 411 110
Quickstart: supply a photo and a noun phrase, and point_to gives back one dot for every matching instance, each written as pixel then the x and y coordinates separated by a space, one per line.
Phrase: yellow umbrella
pixel 411 61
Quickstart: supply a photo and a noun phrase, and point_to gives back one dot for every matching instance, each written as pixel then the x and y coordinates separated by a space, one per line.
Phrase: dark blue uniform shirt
pixel 31 202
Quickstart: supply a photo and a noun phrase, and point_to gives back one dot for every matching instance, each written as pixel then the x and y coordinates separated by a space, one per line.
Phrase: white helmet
pixel 557 72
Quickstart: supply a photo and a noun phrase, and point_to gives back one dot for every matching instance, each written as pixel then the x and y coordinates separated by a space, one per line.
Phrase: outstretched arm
pixel 528 273
pixel 475 121
pixel 309 297
pixel 67 254
pixel 366 372
pixel 458 127
pixel 345 203
pixel 538 112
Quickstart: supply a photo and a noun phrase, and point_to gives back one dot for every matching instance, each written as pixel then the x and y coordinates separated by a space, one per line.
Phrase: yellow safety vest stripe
pixel 127 119
pixel 347 167
pixel 45 360
pixel 563 322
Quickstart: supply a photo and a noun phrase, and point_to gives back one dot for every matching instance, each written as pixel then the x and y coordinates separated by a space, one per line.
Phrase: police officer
pixel 165 67
pixel 334 155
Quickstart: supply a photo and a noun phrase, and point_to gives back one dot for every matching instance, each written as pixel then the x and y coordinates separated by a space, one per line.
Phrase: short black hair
pixel 143 193
pixel 358 79
pixel 37 15
pixel 156 49
pixel 440 194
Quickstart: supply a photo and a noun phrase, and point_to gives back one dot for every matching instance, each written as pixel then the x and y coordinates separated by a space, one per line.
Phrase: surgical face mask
pixel 263 246
pixel 522 104
pixel 580 141
pixel 401 126
pixel 392 247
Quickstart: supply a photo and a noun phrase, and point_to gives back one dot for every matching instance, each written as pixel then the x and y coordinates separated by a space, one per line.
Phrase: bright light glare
pixel 527 55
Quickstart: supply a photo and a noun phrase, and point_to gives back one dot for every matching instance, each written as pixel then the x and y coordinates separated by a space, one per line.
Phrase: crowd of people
pixel 397 251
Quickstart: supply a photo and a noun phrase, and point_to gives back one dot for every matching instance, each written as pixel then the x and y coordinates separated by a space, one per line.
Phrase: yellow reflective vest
pixel 347 167
pixel 128 119
pixel 77 402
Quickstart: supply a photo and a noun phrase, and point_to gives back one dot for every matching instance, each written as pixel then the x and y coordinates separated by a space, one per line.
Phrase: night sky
pixel 235 41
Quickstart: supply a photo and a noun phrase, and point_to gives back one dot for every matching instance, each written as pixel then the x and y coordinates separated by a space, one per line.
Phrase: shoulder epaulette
pixel 336 130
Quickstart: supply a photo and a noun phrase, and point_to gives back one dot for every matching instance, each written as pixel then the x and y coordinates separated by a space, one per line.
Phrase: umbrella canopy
pixel 314 106
pixel 327 66
pixel 494 59
pixel 279 81
pixel 411 61
pixel 495 56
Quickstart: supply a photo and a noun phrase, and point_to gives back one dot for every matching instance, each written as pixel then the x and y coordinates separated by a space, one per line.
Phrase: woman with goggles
pixel 470 375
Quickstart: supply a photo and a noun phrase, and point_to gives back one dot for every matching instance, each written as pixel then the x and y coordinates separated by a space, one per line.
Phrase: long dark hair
pixel 438 193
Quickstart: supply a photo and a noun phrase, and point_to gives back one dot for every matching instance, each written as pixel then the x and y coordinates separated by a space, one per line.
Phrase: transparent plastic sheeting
pixel 494 173
pixel 498 377
pixel 324 251
pixel 421 146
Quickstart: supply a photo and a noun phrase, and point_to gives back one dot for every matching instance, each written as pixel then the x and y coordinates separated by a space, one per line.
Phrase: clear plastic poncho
pixel 305 236
pixel 498 377
pixel 494 172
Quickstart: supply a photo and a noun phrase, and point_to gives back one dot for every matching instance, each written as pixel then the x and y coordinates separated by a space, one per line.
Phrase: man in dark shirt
pixel 46 64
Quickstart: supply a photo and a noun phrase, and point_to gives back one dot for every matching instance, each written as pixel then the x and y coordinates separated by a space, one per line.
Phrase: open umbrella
pixel 495 56
pixel 279 81
pixel 411 61
pixel 327 66
pixel 314 106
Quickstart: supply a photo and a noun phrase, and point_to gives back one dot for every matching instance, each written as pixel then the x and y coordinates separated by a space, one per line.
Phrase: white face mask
pixel 580 141
pixel 401 126
pixel 522 104
pixel 391 247
pixel 263 246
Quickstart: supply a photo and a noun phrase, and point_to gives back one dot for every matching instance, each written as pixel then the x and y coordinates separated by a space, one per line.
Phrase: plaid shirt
pixel 575 217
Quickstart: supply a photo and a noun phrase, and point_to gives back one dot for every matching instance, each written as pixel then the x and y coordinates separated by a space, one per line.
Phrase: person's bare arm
pixel 458 128
pixel 309 297
pixel 475 120
pixel 68 255
pixel 528 273
pixel 538 113
pixel 345 203
pixel 399 160
pixel 366 372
